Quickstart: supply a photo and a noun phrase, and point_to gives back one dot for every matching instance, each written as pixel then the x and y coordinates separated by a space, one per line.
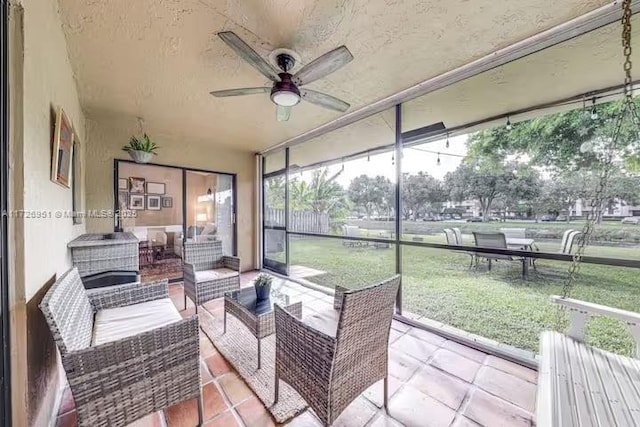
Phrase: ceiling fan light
pixel 285 98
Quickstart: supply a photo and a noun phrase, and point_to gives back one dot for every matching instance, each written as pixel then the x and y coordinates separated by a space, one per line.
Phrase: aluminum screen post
pixel 398 207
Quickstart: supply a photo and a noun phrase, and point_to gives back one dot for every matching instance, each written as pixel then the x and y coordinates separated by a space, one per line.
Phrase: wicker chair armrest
pixel 301 345
pixel 180 338
pixel 232 262
pixel 189 272
pixel 134 293
pixel 337 299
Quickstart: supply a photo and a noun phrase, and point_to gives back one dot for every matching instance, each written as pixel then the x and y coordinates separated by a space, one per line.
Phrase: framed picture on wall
pixel 136 202
pixel 123 185
pixel 155 188
pixel 153 203
pixel 167 202
pixel 136 185
pixel 62 150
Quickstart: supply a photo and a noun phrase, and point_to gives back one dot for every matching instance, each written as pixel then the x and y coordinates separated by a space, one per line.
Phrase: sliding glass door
pixel 166 206
pixel 210 207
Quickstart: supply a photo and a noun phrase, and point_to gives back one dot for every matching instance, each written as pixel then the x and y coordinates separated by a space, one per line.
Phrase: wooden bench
pixel 579 385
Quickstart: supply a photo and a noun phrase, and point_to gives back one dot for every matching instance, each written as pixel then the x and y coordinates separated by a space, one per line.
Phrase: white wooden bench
pixel 579 385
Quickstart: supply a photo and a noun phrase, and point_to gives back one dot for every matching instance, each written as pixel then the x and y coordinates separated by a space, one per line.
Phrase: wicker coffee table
pixel 257 315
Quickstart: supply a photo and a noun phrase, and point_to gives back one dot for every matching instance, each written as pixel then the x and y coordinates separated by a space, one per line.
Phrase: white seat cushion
pixel 326 321
pixel 113 324
pixel 218 273
pixel 583 385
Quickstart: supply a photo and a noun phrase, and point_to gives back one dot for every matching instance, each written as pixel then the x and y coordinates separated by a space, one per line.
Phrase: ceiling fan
pixel 286 91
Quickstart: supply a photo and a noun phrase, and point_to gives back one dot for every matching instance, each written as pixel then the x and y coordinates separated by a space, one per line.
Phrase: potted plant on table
pixel 262 284
pixel 141 150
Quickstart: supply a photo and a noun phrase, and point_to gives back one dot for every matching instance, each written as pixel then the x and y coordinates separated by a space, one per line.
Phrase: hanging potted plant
pixel 141 150
pixel 263 286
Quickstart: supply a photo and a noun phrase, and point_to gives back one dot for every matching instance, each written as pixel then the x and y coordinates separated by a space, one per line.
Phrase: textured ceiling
pixel 589 62
pixel 159 59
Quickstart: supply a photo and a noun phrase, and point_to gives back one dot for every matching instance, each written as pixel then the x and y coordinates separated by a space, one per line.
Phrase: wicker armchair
pixel 331 362
pixel 207 273
pixel 120 370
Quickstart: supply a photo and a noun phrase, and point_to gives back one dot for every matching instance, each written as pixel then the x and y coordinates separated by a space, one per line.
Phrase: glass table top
pixel 246 297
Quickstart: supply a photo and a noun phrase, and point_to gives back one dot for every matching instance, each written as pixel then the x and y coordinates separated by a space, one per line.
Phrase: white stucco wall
pixel 106 136
pixel 41 80
pixel 48 83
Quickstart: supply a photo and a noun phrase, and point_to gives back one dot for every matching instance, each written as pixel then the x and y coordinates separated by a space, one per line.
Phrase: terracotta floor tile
pixel 402 366
pixel 357 414
pixel 375 393
pixel 488 410
pixel 190 311
pixel 176 290
pixel 394 335
pixel 217 365
pixel 385 420
pixel 512 368
pixel 234 388
pixel 207 349
pixel 214 305
pixel 468 352
pixel 415 409
pixel 151 420
pixel 321 305
pixel 254 414
pixel 399 326
pixel 186 413
pixel 508 387
pixel 455 364
pixel 70 419
pixel 204 373
pixel 67 403
pixel 214 404
pixel 414 347
pixel 306 419
pixel 427 336
pixel 464 422
pixel 441 386
pixel 226 419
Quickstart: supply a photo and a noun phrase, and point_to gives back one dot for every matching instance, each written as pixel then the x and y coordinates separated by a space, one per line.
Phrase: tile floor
pixel 433 382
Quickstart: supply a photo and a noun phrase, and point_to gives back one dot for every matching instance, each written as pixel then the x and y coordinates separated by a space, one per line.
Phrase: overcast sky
pixel 414 161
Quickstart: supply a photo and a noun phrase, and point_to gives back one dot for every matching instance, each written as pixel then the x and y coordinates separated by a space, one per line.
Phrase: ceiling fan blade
pixel 324 100
pixel 323 66
pixel 283 113
pixel 249 55
pixel 241 91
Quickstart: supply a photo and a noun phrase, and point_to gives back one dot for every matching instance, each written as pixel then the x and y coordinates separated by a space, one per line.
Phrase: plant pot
pixel 263 292
pixel 141 156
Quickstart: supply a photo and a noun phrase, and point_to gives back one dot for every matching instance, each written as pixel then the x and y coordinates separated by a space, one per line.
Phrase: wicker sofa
pixel 332 357
pixel 126 350
pixel 207 273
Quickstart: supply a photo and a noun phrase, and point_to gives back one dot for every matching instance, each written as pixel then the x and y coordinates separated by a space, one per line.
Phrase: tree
pixel 482 180
pixel 558 141
pixel 422 193
pixel 369 193
pixel 522 191
pixel 274 191
pixel 624 187
pixel 563 190
pixel 321 194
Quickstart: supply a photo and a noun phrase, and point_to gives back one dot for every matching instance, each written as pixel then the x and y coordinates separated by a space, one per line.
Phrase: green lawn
pixel 498 304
